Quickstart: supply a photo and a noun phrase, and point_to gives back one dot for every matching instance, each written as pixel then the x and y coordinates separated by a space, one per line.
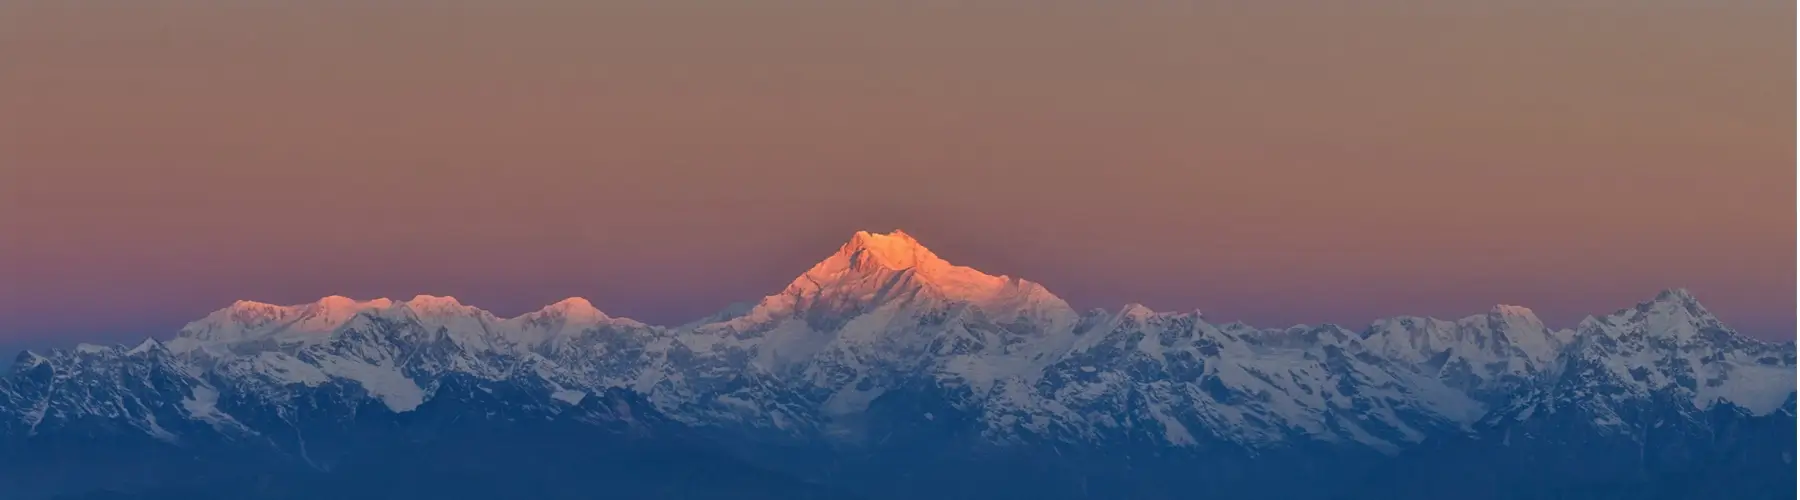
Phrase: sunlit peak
pixel 342 302
pixel 433 301
pixel 894 250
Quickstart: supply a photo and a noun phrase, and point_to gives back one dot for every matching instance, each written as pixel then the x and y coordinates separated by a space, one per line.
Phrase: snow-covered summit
pixel 253 326
pixel 562 320
pixel 873 269
pixel 330 312
pixel 895 250
pixel 1674 344
pixel 245 322
pixel 572 309
pixel 1673 315
pixel 431 305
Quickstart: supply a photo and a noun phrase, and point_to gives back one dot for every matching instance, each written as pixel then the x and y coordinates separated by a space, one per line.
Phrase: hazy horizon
pixel 165 332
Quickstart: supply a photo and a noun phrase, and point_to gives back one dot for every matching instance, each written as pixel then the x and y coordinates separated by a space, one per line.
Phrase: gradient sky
pixel 1264 161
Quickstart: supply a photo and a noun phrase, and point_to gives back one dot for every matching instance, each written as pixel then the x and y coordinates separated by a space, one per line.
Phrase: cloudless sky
pixel 1275 162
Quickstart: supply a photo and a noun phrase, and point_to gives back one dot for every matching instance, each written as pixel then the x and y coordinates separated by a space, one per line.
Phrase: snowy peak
pixel 561 320
pixel 894 251
pixel 1502 332
pixel 434 305
pixel 247 326
pixel 870 253
pixel 27 359
pixel 240 315
pixel 1484 356
pixel 572 309
pixel 1677 301
pixel 1520 319
pixel 331 312
pixel 1673 344
pixel 342 303
pixel 1136 311
pixel 1676 312
pixel 874 269
pixel 1676 296
pixel 326 312
pixel 1521 329
pixel 249 321
pixel 1516 315
pixel 148 346
pixel 1673 316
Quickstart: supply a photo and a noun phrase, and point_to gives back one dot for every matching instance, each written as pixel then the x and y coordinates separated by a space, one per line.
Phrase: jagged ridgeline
pixel 886 372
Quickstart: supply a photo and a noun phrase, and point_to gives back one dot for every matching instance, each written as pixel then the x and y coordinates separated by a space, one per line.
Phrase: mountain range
pixel 885 371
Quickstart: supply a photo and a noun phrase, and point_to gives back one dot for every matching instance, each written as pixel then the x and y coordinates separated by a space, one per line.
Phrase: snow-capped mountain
pixel 1660 400
pixel 255 325
pixel 885 338
pixel 1666 354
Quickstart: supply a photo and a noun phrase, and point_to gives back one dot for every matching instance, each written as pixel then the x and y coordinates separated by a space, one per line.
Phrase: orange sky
pixel 1255 160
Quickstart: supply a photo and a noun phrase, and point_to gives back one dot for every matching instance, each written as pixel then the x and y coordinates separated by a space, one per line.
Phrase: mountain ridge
pixel 876 278
pixel 883 350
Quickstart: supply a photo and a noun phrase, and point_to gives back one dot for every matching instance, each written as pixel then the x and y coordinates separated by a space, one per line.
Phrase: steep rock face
pixel 884 358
